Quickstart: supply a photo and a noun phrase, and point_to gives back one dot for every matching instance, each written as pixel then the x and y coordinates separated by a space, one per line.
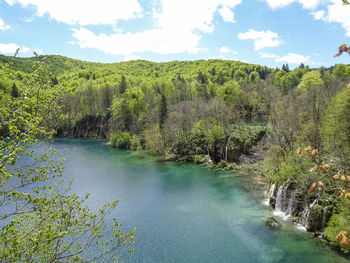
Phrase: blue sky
pixel 265 32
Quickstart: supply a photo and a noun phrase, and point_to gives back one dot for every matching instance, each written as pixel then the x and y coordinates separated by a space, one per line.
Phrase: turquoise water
pixel 183 212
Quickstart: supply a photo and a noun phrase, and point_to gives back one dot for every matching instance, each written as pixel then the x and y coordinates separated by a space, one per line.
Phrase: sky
pixel 264 32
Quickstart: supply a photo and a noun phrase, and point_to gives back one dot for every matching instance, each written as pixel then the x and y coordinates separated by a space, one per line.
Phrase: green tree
pixel 163 112
pixel 278 77
pixel 254 77
pixel 240 75
pixel 123 85
pixel 129 106
pixel 336 128
pixel 313 104
pixel 42 221
pixel 14 91
pixel 229 92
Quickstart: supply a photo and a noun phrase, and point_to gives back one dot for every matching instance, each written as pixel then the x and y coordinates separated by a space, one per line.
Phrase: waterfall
pixel 101 128
pixel 324 219
pixel 279 197
pixel 285 198
pixel 226 148
pixel 304 219
pixel 269 194
pixel 73 129
pixel 291 202
pixel 287 205
pixel 272 189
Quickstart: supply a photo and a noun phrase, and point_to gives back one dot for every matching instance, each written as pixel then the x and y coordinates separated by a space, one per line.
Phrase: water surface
pixel 184 212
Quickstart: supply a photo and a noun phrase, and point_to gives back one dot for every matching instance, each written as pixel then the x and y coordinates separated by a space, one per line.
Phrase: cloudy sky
pixel 266 32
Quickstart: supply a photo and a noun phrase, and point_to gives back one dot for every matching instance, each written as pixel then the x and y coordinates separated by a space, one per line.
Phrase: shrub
pixel 339 221
pixel 121 140
pixel 112 139
pixel 135 143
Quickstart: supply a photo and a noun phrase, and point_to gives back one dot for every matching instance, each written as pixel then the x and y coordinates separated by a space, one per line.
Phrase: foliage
pixel 163 112
pixel 135 143
pixel 42 220
pixel 339 222
pixel 121 140
pixel 336 128
pixel 229 92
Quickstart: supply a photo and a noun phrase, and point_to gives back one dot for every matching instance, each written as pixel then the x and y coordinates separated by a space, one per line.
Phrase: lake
pixel 183 212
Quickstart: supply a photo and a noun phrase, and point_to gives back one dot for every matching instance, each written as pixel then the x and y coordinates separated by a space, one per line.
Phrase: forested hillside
pixel 293 124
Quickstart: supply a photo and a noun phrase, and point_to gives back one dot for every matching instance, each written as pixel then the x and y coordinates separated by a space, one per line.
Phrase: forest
pixel 291 126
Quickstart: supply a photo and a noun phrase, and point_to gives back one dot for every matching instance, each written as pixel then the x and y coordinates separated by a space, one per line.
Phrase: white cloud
pixel 24 49
pixel 308 4
pixel 191 14
pixel 222 57
pixel 227 14
pixel 155 40
pixel 227 50
pixel 261 39
pixel 336 12
pixel 267 55
pixel 84 12
pixel 224 50
pixel 290 58
pixel 3 26
pixel 293 58
pixel 130 58
pixel 318 15
pixel 177 29
pixel 11 48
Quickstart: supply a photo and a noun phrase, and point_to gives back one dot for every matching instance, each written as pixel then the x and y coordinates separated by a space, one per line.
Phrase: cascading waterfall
pixel 285 197
pixel 304 219
pixel 291 203
pixel 272 190
pixel 324 217
pixel 288 202
pixel 101 128
pixel 269 194
pixel 279 201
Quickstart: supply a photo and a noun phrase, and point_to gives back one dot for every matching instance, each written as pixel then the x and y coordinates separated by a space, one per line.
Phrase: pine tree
pixel 14 91
pixel 123 85
pixel 163 112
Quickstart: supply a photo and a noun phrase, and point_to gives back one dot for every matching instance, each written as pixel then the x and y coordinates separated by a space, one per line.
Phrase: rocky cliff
pixel 96 127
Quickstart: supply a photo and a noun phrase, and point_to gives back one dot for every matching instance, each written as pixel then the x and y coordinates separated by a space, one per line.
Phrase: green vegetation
pixel 42 220
pixel 222 113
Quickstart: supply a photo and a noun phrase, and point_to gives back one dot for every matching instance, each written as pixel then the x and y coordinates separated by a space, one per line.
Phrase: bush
pixel 154 142
pixel 339 221
pixel 222 164
pixel 112 139
pixel 135 143
pixel 121 140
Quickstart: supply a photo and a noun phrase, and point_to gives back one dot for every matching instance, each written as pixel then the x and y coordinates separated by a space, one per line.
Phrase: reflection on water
pixel 183 212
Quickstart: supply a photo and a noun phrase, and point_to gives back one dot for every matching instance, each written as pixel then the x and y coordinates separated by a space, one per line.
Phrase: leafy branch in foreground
pixel 43 221
pixel 343 48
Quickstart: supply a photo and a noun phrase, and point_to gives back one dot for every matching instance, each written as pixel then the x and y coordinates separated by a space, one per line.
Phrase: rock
pixel 272 222
pixel 323 240
pixel 272 201
pixel 315 219
pixel 293 219
pixel 170 157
